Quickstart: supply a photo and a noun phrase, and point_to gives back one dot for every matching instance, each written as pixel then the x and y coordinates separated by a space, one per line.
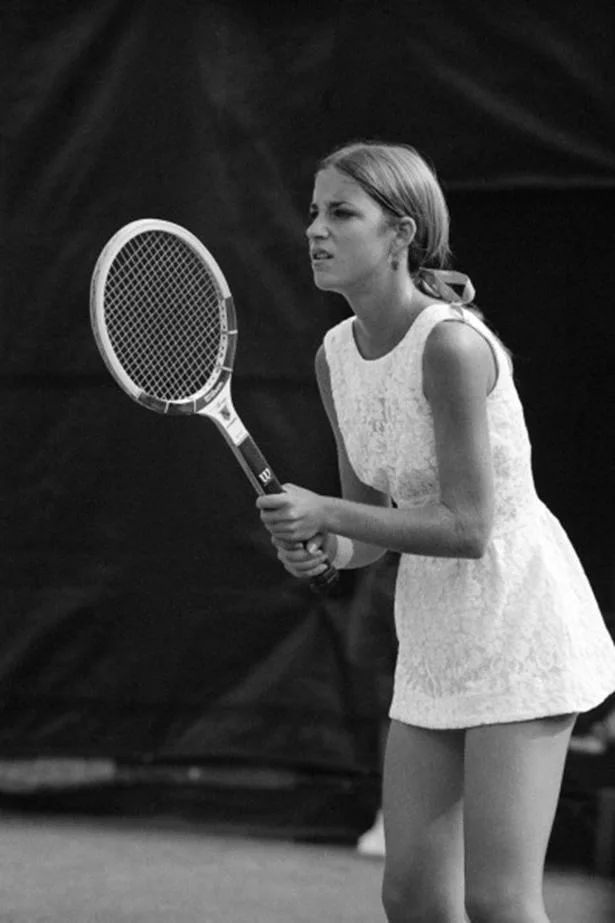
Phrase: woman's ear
pixel 404 235
pixel 406 231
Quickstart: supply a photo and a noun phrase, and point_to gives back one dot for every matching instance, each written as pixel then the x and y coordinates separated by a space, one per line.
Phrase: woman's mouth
pixel 318 257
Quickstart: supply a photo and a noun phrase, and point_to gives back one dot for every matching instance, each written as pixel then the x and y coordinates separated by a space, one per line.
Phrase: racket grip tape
pixel 325 582
pixel 265 482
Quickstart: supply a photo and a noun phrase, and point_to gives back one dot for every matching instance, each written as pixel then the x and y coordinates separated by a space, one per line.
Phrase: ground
pixel 59 869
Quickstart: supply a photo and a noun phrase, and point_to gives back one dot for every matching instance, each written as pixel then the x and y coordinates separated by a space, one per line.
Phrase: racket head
pixel 163 316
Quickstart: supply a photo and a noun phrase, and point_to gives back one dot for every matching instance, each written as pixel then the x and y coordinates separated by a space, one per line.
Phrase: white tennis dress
pixel 514 635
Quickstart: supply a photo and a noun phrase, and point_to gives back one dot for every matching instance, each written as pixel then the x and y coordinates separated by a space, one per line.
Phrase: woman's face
pixel 349 237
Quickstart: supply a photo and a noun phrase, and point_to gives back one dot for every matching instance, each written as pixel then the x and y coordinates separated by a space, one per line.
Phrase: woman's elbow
pixel 474 535
pixel 475 548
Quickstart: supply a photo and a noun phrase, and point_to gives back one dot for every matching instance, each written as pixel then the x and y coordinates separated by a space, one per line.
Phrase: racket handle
pixel 265 482
pixel 325 582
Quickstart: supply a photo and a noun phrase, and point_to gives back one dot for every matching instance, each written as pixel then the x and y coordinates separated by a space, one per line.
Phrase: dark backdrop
pixel 142 610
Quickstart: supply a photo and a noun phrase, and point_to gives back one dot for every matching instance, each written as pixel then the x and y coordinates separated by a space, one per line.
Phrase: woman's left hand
pixel 296 515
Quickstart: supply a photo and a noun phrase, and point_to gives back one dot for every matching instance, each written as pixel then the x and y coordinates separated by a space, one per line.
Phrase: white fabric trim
pixel 343 552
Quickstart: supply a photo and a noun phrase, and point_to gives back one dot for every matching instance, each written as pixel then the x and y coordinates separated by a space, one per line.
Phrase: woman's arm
pixel 458 372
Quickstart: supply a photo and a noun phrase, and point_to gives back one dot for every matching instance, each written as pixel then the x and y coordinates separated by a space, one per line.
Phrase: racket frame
pixel 213 399
pixel 223 367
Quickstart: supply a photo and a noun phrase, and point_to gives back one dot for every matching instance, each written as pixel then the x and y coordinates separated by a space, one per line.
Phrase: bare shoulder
pixel 456 354
pixel 323 378
pixel 321 367
pixel 453 341
pixel 320 362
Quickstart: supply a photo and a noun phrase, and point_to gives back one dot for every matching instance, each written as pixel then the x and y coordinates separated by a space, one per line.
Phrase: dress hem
pixel 462 722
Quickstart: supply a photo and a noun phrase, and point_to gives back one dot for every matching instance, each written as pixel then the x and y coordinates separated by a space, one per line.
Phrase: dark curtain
pixel 142 609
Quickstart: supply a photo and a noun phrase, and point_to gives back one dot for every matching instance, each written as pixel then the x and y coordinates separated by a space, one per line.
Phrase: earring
pixel 394 264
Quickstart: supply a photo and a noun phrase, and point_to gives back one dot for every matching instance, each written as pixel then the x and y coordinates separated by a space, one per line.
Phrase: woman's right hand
pixel 301 562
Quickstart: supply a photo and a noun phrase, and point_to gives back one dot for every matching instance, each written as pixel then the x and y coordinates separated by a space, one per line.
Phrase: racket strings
pixel 164 316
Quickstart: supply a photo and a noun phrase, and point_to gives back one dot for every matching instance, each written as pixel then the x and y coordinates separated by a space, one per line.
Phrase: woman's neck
pixel 382 321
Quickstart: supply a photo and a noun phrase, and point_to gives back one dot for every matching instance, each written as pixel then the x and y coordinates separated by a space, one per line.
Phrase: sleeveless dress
pixel 514 635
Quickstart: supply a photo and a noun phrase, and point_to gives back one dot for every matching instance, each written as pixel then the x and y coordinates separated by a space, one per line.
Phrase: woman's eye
pixel 340 213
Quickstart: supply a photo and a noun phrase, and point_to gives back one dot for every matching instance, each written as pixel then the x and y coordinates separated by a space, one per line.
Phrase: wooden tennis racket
pixel 164 321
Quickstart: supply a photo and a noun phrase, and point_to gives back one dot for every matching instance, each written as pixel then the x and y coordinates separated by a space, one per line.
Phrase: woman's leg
pixel 512 785
pixel 422 802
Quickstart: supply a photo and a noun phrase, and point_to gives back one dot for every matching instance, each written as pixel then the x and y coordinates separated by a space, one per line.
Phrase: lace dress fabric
pixel 514 635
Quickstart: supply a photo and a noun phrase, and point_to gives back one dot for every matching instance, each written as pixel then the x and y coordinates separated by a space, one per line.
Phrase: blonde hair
pixel 403 184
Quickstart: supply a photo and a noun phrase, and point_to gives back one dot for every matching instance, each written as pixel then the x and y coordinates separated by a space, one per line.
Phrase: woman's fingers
pixel 304 570
pixel 286 545
pixel 298 560
pixel 299 551
pixel 316 543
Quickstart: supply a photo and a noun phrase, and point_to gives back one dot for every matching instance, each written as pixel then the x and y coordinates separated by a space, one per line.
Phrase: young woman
pixel 501 642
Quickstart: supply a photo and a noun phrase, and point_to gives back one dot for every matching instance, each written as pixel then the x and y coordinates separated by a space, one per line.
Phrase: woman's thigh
pixel 423 811
pixel 513 775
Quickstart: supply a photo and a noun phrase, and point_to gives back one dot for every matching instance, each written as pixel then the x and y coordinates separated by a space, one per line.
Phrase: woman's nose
pixel 316 228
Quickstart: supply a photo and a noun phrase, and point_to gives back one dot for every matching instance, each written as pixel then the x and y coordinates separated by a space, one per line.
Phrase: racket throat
pixel 247 453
